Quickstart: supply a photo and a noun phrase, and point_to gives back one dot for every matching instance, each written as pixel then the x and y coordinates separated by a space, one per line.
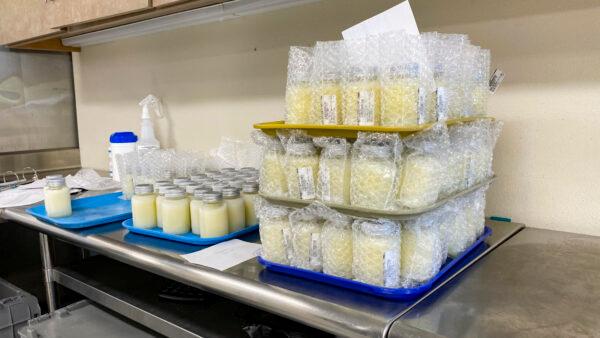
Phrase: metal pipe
pixel 47 272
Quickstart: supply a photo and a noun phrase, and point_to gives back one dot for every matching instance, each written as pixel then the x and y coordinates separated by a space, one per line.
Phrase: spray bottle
pixel 147 139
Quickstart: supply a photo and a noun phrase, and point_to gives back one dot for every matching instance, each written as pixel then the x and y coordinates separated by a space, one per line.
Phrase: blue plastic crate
pixel 384 292
pixel 89 211
pixel 188 238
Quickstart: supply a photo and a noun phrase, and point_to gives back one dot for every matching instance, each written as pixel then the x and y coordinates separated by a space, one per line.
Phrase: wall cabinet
pixel 23 19
pixel 61 13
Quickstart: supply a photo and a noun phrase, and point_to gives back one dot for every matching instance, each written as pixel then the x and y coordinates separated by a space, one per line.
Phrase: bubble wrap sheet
pixel 424 247
pixel 272 178
pixel 374 167
pixel 298 93
pixel 376 252
pixel 336 244
pixel 422 172
pixel 334 170
pixel 301 165
pixel 275 232
pixel 325 81
pixel 307 224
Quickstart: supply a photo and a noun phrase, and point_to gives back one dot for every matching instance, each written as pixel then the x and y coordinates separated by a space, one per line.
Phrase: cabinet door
pixel 69 12
pixel 22 19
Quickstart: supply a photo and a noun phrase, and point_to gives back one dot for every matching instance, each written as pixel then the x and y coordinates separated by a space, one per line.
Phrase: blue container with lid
pixel 121 142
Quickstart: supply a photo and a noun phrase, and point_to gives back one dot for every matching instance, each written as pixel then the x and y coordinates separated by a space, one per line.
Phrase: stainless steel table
pixel 341 312
pixel 540 283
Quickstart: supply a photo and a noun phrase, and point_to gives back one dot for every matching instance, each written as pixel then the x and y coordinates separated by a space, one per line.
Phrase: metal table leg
pixel 47 272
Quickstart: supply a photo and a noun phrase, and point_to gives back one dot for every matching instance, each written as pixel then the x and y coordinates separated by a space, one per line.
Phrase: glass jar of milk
pixel 249 194
pixel 235 209
pixel 213 216
pixel 176 212
pixel 162 189
pixel 143 206
pixel 195 208
pixel 272 179
pixel 276 235
pixel 57 197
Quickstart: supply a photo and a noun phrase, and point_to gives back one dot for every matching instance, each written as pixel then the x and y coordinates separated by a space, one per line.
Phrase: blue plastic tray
pixel 89 211
pixel 188 237
pixel 384 292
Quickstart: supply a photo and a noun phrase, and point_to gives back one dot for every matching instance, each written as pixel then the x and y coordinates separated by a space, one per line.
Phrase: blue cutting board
pixel 89 211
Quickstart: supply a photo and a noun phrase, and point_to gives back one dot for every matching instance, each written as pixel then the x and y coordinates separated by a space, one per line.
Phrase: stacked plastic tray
pixel 16 308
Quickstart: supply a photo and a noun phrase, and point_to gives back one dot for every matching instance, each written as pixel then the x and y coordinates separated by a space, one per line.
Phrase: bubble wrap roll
pixel 376 252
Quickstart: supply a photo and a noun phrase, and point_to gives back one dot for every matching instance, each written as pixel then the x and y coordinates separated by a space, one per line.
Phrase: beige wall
pixel 218 79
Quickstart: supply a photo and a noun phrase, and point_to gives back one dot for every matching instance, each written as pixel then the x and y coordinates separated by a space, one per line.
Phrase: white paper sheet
pixel 224 255
pixel 397 18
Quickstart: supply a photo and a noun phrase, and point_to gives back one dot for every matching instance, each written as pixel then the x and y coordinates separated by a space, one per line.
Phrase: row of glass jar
pixel 370 102
pixel 378 252
pixel 207 207
pixel 373 173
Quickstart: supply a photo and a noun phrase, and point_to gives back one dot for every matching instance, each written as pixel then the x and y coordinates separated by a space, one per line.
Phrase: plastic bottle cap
pixel 199 193
pixel 185 183
pixel 226 170
pixel 250 187
pixel 212 173
pixel 175 193
pixel 212 197
pixel 123 137
pixel 231 192
pixel 162 182
pixel 143 189
pixel 248 169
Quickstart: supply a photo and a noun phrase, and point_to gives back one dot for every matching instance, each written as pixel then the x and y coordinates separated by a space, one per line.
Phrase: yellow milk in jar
pixel 196 209
pixel 276 237
pixel 373 174
pixel 336 247
pixel 272 177
pixel 176 212
pixel 298 103
pixel 236 214
pixel 214 221
pixel 361 102
pixel 376 253
pixel 249 194
pixel 400 96
pixel 57 197
pixel 306 244
pixel 159 199
pixel 420 182
pixel 301 169
pixel 143 207
pixel 423 252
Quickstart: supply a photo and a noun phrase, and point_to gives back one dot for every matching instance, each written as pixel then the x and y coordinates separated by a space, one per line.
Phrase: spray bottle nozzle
pixel 151 102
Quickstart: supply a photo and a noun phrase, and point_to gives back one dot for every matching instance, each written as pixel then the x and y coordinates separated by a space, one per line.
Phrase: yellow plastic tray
pixel 351 131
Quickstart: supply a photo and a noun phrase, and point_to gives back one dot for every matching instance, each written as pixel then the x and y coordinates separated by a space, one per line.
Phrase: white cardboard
pixel 397 18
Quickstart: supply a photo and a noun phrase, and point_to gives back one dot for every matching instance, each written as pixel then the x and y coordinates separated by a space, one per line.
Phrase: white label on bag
pixel 391 268
pixel 496 80
pixel 441 106
pixel 422 106
pixel 325 182
pixel 287 242
pixel 314 251
pixel 329 108
pixel 366 108
pixel 306 183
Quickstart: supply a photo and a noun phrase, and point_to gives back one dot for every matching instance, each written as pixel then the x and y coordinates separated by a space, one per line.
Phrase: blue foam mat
pixel 188 237
pixel 384 292
pixel 88 211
